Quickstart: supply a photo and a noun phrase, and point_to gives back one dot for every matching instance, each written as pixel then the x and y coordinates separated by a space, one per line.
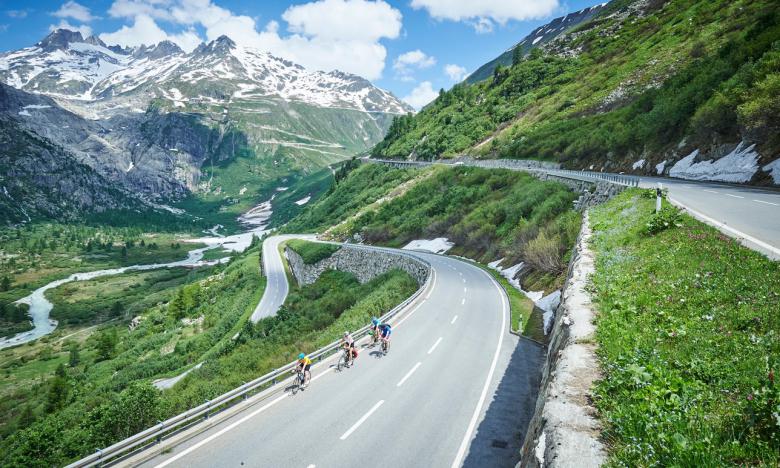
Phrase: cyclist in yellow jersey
pixel 304 364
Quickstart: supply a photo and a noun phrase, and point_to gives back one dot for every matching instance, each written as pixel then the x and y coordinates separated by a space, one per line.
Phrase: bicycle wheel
pixel 342 362
pixel 296 384
pixel 384 346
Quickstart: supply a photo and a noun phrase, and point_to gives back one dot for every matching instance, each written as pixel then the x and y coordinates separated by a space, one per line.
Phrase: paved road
pixel 276 288
pixel 752 212
pixel 452 361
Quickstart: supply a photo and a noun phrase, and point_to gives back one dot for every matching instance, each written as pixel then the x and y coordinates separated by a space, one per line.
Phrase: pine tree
pixel 73 358
pixel 517 55
pixel 5 284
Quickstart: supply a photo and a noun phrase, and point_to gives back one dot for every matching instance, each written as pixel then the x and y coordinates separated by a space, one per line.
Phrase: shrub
pixel 312 252
pixel 668 217
pixel 544 253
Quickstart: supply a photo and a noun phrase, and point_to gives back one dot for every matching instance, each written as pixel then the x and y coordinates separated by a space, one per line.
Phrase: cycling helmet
pixel 375 321
pixel 301 356
pixel 346 333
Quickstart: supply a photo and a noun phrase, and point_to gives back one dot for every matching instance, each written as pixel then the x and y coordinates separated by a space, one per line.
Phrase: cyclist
pixel 304 365
pixel 384 334
pixel 375 323
pixel 348 343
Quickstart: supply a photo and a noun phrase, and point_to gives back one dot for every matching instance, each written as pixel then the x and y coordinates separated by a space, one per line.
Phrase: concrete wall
pixel 363 263
pixel 564 430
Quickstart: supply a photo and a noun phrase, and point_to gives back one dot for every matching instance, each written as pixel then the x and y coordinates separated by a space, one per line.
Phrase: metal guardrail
pixel 619 179
pixel 587 176
pixel 200 413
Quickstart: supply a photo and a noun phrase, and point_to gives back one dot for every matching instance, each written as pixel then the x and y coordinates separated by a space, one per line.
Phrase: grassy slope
pixel 716 59
pixel 312 252
pixel 366 185
pixel 489 214
pixel 688 338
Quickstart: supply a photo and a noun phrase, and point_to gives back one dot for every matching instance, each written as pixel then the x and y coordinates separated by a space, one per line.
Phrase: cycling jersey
pixel 305 361
pixel 385 330
pixel 349 341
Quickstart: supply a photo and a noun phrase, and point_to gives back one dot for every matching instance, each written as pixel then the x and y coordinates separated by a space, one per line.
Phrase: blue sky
pixel 410 47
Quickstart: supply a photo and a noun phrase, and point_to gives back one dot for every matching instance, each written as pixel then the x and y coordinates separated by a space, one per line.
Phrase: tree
pixel 517 55
pixel 73 358
pixel 58 393
pixel 106 345
pixel 124 251
pixel 5 284
pixel 116 309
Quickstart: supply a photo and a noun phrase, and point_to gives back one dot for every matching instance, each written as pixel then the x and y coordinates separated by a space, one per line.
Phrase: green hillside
pixel 644 79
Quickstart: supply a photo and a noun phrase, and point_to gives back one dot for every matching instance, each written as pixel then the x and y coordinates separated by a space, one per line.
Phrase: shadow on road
pixel 500 435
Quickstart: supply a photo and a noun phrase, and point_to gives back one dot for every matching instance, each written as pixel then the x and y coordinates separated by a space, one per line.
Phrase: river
pixel 255 220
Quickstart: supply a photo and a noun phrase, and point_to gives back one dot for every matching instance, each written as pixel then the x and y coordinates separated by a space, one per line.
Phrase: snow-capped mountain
pixel 222 122
pixel 65 65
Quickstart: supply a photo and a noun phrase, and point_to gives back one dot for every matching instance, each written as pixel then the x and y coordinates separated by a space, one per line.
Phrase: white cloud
pixel 421 95
pixel 76 11
pixel 482 14
pixel 17 14
pixel 85 30
pixel 405 64
pixel 145 31
pixel 414 58
pixel 323 35
pixel 455 72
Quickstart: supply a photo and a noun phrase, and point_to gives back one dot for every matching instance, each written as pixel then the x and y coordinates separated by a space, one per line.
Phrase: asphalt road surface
pixel 276 288
pixel 451 361
pixel 743 211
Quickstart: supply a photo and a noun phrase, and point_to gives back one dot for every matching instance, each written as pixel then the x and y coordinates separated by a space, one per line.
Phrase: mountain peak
pixel 60 38
pixel 160 50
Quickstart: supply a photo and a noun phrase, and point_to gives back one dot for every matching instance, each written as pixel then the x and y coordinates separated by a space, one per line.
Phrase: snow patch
pixel 36 106
pixel 549 304
pixel 438 245
pixel 303 201
pixel 659 168
pixel 738 166
pixel 774 170
pixel 638 165
pixel 25 113
pixel 537 40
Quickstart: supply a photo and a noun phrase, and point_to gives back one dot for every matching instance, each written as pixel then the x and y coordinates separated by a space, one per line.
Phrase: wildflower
pixel 750 397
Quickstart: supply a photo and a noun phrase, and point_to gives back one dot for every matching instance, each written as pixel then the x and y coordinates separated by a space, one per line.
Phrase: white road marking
pixel 433 286
pixel 464 445
pixel 463 301
pixel 710 191
pixel 435 345
pixel 465 290
pixel 408 374
pixel 312 466
pixel 767 202
pixel 233 425
pixel 464 280
pixel 723 227
pixel 453 319
pixel 733 196
pixel 362 420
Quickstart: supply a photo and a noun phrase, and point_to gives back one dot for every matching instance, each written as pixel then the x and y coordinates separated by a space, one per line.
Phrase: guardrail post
pixel 208 406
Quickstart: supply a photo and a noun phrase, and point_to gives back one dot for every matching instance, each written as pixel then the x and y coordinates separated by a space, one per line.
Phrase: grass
pixel 312 252
pixel 687 332
pixel 487 213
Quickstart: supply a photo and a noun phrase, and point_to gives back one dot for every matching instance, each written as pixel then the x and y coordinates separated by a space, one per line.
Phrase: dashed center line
pixel 463 301
pixel 766 202
pixel 465 290
pixel 733 196
pixel 453 319
pixel 464 280
pixel 408 374
pixel 435 345
pixel 362 420
pixel 710 191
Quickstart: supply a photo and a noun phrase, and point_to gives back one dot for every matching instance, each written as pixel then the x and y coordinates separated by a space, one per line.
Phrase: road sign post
pixel 658 195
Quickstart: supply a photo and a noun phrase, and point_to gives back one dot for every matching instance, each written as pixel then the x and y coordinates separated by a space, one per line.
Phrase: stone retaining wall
pixel 365 264
pixel 564 430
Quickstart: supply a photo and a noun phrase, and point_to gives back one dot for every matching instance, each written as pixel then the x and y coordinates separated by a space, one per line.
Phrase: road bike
pixel 301 380
pixel 385 345
pixel 344 360
pixel 374 338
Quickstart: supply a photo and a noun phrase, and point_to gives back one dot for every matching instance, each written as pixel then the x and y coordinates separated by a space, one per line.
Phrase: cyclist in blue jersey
pixel 385 330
